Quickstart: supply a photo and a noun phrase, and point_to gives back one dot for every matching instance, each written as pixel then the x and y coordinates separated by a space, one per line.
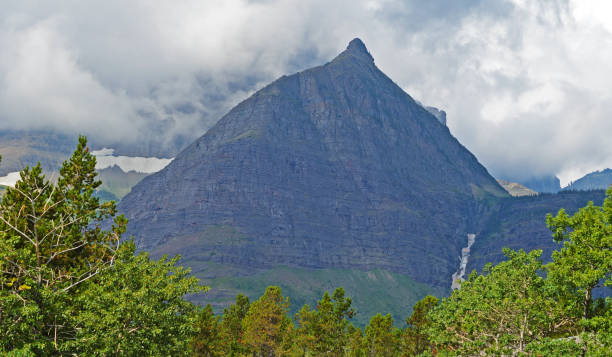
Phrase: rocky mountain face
pixel 598 180
pixel 335 167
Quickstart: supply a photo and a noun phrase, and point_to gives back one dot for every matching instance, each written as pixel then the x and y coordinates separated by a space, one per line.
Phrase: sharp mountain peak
pixel 356 49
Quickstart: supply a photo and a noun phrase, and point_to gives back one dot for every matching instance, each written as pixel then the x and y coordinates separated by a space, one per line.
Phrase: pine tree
pixel 51 242
pixel 325 331
pixel 266 325
pixel 232 325
pixel 381 338
pixel 416 340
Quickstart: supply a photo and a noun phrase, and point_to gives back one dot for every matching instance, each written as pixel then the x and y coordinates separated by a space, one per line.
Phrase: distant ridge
pixel 597 180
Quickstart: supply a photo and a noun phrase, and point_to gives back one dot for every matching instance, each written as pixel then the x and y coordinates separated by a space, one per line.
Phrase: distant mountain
pixel 516 189
pixel 26 148
pixel 597 180
pixel 332 169
pixel 117 182
pixel 542 184
pixel 20 149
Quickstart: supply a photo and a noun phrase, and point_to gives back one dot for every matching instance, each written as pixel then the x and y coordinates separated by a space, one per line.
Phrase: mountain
pixel 542 184
pixel 516 189
pixel 117 183
pixel 520 223
pixel 331 169
pixel 19 149
pixel 597 180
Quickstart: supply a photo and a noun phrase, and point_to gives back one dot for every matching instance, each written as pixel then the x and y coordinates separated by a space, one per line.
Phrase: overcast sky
pixel 526 84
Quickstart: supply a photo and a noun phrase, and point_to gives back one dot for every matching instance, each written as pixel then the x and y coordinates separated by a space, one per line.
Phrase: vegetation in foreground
pixel 70 287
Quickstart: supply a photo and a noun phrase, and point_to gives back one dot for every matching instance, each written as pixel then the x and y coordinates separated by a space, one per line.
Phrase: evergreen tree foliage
pixel 51 242
pixel 208 340
pixel 381 338
pixel 266 325
pixel 232 326
pixel 325 331
pixel 416 340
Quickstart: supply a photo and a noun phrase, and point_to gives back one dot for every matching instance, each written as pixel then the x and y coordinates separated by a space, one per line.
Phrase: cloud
pixel 525 84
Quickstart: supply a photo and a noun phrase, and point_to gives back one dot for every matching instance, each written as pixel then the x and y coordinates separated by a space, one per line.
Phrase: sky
pixel 525 84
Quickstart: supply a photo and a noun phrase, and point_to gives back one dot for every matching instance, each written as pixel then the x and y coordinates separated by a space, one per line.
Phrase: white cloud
pixel 525 84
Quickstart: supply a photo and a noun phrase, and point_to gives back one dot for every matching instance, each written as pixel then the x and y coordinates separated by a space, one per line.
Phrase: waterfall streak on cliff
pixel 459 275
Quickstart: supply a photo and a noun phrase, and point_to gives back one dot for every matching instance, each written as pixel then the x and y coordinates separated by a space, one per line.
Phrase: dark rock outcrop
pixel 332 167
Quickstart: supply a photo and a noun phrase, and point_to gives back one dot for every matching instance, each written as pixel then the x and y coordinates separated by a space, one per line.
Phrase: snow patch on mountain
pixel 105 158
pixel 10 179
